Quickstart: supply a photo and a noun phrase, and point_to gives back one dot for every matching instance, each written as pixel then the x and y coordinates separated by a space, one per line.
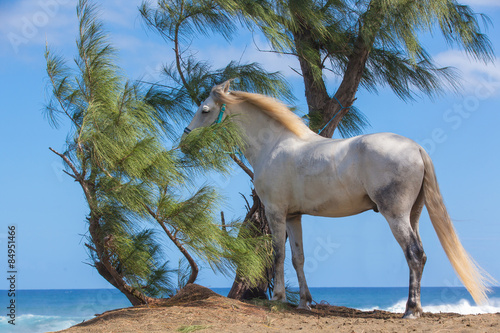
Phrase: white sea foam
pixel 37 323
pixel 463 307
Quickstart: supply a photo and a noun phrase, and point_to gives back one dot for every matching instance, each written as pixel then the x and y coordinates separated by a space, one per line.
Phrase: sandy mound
pixel 191 293
pixel 196 308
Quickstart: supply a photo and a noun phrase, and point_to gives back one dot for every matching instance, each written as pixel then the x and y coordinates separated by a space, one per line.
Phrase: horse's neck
pixel 260 132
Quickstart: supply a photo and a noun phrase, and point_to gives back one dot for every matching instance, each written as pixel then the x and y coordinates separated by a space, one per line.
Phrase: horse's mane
pixel 272 107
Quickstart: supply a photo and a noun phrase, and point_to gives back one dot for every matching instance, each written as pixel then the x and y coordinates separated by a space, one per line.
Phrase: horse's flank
pixel 273 108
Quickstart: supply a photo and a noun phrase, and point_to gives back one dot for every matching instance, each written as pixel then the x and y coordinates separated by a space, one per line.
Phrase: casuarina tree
pixel 136 189
pixel 364 43
pixel 187 82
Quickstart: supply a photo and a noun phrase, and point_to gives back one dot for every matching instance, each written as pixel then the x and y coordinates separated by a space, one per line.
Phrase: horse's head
pixel 211 111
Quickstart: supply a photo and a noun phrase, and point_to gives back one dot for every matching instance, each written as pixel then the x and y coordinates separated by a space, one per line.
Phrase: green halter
pixel 217 121
pixel 221 114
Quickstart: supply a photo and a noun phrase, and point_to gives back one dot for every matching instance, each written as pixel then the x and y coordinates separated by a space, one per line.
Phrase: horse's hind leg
pixel 294 229
pixel 410 243
pixel 277 224
pixel 416 211
pixel 413 307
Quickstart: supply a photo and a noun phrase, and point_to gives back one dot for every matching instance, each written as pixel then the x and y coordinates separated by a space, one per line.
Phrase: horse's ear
pixel 226 86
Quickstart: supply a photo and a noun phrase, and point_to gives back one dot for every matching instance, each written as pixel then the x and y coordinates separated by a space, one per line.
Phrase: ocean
pixel 52 310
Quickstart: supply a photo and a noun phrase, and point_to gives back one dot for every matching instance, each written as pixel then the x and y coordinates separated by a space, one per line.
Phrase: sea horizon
pixel 42 310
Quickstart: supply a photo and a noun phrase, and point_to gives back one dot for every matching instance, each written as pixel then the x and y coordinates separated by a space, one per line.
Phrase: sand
pixel 199 309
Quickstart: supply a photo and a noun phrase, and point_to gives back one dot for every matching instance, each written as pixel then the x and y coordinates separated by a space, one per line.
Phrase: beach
pixel 196 308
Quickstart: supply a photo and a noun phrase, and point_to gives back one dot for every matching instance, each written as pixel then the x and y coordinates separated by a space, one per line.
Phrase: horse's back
pixel 380 153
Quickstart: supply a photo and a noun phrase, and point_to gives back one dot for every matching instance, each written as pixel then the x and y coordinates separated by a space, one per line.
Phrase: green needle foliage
pixel 113 151
pixel 367 43
pixel 116 152
pixel 187 82
pixel 193 220
pixel 371 43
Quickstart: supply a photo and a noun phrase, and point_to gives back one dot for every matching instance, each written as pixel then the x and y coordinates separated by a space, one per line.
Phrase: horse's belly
pixel 326 195
pixel 337 207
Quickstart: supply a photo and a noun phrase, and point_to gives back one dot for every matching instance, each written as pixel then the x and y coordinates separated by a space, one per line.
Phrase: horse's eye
pixel 205 108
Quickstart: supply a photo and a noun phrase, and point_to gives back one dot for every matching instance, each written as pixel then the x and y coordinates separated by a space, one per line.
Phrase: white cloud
pixel 475 75
pixel 28 22
pixel 121 14
pixel 26 25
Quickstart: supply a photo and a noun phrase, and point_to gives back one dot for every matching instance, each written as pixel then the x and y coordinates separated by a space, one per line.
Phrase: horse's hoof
pixel 278 298
pixel 304 307
pixel 412 315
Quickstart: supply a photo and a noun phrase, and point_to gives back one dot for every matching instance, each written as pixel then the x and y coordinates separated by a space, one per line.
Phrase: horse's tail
pixel 474 278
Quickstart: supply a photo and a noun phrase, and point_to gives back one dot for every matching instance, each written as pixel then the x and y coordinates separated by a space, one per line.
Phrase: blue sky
pixel 460 131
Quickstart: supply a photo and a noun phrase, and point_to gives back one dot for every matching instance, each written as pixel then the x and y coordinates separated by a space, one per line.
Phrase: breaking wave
pixel 462 306
pixel 38 323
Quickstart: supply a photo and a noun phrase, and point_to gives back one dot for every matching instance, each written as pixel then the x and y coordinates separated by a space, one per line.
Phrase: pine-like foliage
pixel 379 38
pixel 115 150
pixel 395 27
pixel 187 81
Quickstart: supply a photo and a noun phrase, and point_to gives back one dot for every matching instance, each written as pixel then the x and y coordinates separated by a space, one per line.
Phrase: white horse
pixel 299 172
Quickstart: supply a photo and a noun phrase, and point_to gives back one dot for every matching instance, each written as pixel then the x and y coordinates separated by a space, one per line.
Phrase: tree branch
pixel 243 166
pixel 178 58
pixel 273 51
pixel 76 174
pixel 69 174
pixel 52 80
pixel 324 59
pixel 223 221
pixel 175 240
pixel 91 247
pixel 244 198
pixel 296 71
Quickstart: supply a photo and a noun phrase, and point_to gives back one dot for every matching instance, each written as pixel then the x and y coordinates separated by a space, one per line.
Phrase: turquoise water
pixel 51 310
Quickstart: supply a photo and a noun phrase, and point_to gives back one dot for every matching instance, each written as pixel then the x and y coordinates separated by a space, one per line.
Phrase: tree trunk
pixel 324 110
pixel 326 113
pixel 106 268
pixel 128 292
pixel 337 107
pixel 182 249
pixel 311 67
pixel 255 219
pixel 101 249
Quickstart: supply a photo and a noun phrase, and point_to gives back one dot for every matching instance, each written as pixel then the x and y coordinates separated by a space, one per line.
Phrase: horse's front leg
pixel 294 229
pixel 277 224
